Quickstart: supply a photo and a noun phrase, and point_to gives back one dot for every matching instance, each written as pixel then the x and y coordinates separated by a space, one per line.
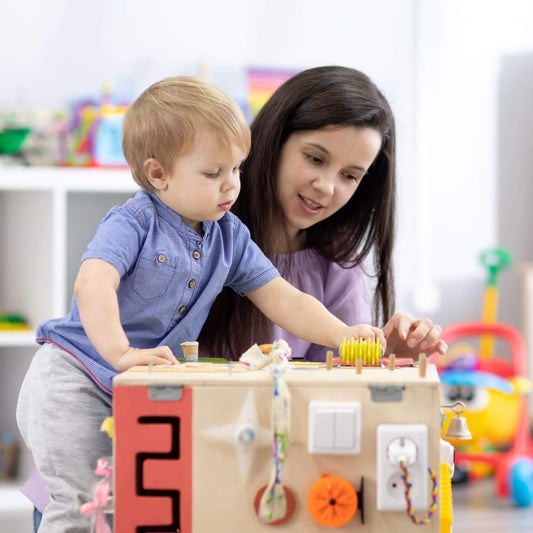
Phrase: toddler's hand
pixel 365 331
pixel 160 355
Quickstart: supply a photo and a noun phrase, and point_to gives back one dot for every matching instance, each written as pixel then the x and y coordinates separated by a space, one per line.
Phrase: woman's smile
pixel 310 205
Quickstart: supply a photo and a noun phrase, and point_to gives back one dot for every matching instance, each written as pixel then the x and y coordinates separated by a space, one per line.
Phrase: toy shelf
pixel 26 338
pixel 47 217
pixel 65 179
pixel 15 509
pixel 12 499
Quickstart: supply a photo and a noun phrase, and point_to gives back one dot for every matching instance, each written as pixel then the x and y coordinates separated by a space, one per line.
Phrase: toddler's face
pixel 320 170
pixel 205 181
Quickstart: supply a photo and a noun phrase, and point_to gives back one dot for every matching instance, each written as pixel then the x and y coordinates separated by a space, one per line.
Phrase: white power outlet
pixel 397 442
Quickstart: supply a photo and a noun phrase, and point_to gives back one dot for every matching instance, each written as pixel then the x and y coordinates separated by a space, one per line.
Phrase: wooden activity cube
pixel 172 475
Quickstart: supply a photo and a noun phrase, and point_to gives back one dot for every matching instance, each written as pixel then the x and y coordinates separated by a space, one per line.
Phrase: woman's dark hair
pixel 311 100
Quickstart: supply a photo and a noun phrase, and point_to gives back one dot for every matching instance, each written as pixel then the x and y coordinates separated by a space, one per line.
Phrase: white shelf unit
pixel 47 217
pixel 41 216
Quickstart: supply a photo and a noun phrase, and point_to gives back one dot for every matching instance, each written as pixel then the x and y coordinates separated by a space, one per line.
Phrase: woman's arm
pixel 96 293
pixel 304 316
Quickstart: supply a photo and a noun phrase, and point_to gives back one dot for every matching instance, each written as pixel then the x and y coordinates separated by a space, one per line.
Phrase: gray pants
pixel 59 413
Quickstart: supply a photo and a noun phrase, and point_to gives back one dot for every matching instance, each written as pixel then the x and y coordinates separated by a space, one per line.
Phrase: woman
pixel 318 195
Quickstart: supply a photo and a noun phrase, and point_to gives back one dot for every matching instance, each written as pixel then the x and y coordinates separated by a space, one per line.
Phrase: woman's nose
pixel 325 183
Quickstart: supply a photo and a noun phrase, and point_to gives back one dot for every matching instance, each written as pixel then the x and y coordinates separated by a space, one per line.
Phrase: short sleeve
pixel 250 269
pixel 118 239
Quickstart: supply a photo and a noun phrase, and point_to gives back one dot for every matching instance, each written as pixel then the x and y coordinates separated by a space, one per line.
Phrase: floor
pixel 477 510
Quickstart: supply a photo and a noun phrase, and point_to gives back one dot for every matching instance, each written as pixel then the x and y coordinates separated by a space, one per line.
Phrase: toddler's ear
pixel 155 174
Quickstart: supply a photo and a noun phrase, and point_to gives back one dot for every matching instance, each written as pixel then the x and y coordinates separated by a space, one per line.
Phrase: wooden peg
pixel 358 365
pixel 422 362
pixel 392 361
pixel 329 360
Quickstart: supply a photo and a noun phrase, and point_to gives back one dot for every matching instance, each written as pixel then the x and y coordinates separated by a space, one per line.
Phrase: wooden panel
pixel 221 500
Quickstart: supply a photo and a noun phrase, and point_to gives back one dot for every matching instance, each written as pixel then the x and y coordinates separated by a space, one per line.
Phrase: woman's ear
pixel 155 174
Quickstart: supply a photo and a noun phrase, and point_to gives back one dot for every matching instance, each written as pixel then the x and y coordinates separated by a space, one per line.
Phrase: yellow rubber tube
pixel 446 502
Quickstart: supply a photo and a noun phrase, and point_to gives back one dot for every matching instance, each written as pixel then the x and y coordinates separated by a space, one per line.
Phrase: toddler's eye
pixel 213 174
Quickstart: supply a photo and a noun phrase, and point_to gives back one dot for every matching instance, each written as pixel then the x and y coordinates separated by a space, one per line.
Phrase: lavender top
pixel 343 292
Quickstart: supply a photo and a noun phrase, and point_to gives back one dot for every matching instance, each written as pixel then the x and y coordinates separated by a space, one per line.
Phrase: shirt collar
pixel 175 219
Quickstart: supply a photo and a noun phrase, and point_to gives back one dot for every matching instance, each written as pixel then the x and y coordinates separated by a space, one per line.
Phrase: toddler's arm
pixel 95 289
pixel 305 317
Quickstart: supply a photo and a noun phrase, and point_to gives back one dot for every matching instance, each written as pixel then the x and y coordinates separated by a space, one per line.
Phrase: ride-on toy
pixel 494 392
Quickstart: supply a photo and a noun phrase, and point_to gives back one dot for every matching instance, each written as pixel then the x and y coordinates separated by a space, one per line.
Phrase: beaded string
pixel 273 503
pixel 434 493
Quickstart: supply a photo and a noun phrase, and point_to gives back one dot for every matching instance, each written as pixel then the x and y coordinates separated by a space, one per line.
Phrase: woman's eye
pixel 236 169
pixel 352 177
pixel 313 158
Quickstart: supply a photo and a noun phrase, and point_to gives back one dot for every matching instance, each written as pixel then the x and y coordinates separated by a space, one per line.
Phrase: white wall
pixel 62 50
pixel 439 63
pixel 471 47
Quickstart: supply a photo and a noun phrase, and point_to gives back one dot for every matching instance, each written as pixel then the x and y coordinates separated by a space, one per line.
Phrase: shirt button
pixel 192 284
pixel 181 309
pixel 161 258
pixel 196 255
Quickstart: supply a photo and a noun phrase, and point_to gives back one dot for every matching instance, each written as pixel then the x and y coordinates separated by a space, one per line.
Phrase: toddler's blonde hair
pixel 165 120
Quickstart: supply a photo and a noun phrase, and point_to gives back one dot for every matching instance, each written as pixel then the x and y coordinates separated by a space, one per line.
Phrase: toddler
pixel 147 281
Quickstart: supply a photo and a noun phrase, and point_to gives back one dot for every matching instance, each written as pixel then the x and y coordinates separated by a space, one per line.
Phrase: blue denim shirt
pixel 169 278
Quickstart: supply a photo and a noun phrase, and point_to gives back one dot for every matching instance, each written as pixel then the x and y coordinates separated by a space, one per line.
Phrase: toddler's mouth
pixel 226 206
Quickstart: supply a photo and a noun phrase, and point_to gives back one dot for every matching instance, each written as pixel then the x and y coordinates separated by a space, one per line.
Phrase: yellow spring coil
pixel 369 351
pixel 446 502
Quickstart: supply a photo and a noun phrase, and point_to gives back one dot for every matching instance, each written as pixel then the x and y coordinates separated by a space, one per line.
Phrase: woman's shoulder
pixel 306 258
pixel 310 258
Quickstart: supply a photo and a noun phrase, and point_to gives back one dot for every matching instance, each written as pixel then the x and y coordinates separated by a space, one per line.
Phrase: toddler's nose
pixel 232 181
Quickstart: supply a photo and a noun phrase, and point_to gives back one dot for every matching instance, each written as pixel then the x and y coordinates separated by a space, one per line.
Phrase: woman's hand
pixel 161 355
pixel 407 337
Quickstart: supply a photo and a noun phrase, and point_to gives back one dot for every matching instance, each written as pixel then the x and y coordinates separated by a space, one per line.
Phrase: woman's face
pixel 319 170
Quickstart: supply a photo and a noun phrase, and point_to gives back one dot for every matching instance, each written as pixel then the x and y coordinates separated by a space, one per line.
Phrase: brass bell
pixel 457 428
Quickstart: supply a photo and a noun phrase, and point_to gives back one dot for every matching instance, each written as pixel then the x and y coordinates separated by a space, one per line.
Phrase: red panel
pixel 132 437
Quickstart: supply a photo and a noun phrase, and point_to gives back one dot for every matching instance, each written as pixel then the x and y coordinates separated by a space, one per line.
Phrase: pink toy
pixel 101 499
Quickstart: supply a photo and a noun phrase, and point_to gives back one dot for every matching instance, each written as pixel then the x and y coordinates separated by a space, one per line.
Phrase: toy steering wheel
pixel 495 260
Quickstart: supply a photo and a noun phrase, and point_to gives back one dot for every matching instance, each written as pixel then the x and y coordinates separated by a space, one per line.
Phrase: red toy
pixel 513 465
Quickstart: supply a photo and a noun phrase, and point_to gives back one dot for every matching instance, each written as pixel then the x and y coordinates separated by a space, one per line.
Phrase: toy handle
pixel 495 260
pixel 505 331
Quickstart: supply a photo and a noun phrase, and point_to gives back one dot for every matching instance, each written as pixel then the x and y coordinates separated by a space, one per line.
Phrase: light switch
pixel 324 428
pixel 344 429
pixel 334 428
